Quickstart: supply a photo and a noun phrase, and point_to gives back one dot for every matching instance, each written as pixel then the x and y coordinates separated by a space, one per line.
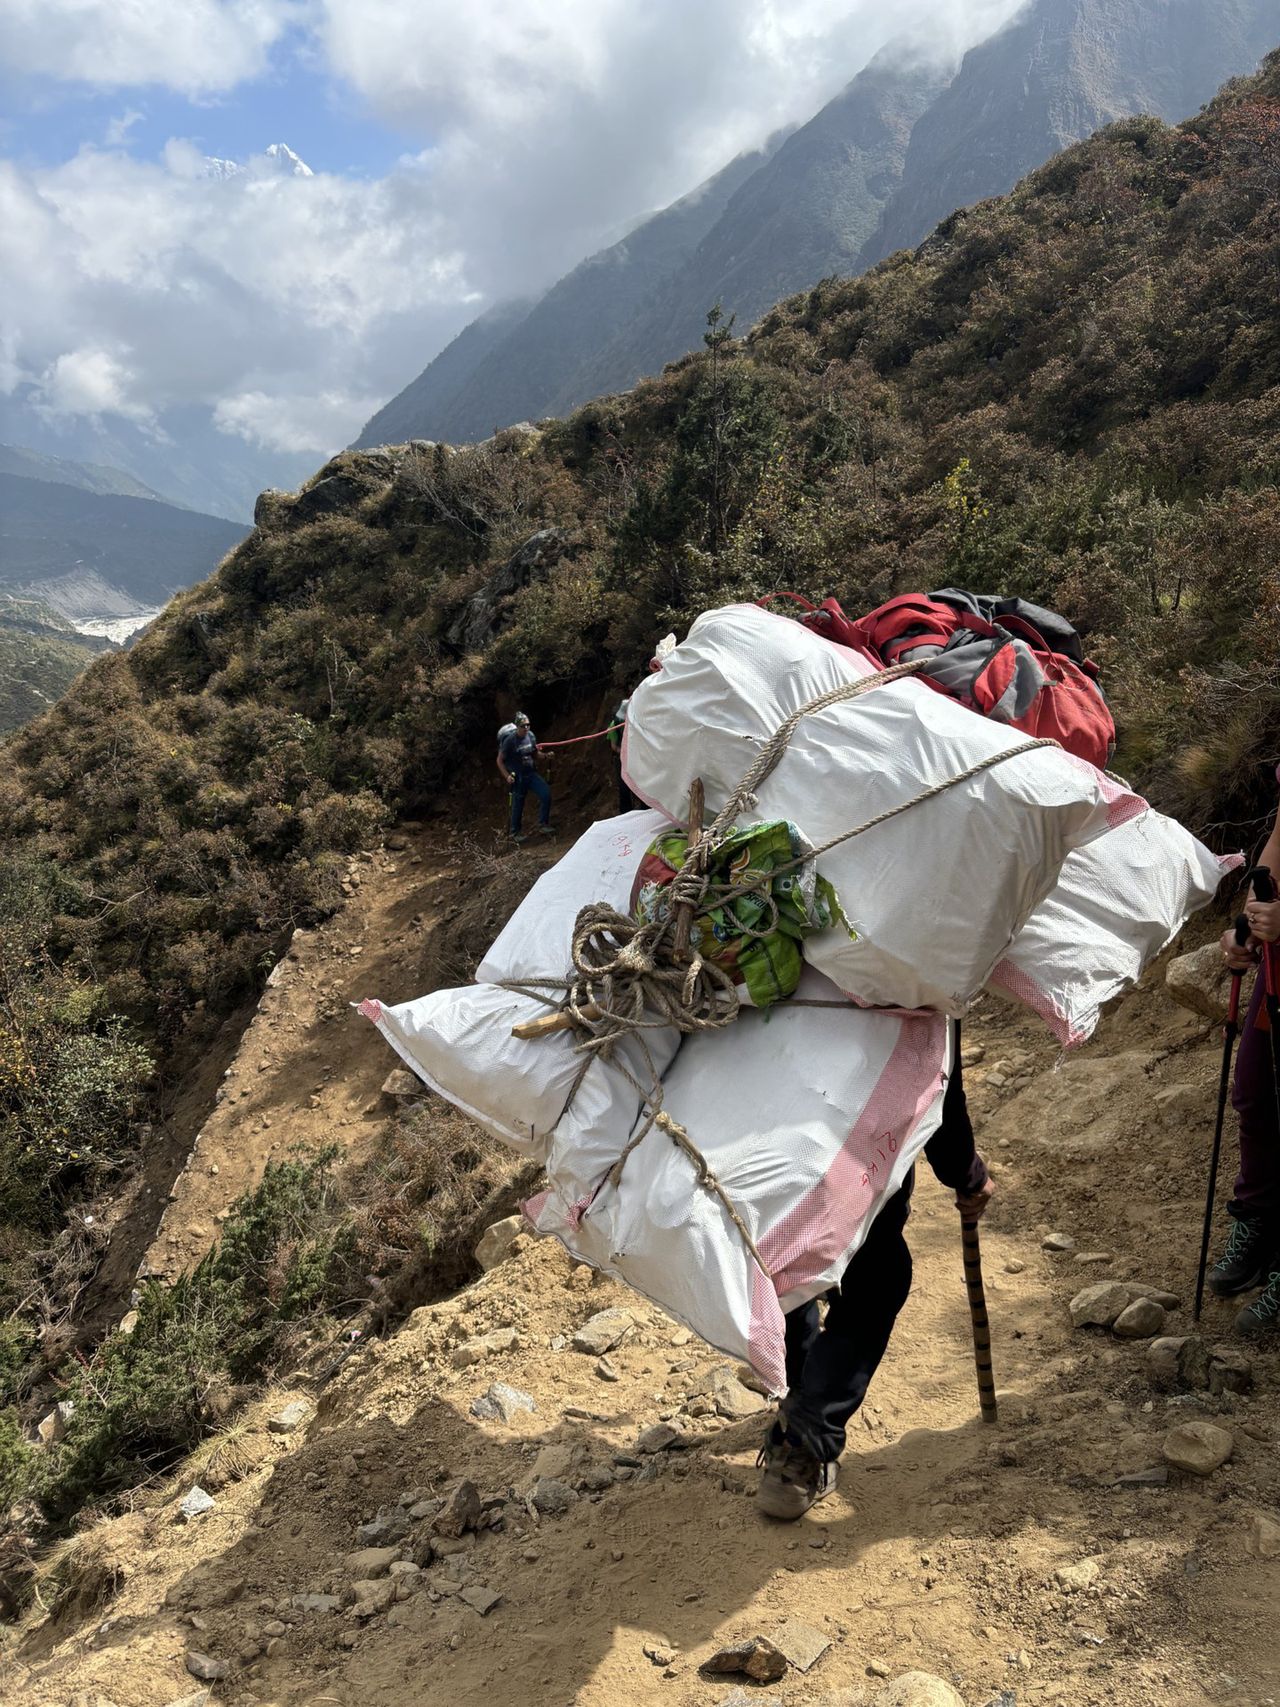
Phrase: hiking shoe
pixel 546 830
pixel 1252 1247
pixel 1263 1315
pixel 518 836
pixel 793 1479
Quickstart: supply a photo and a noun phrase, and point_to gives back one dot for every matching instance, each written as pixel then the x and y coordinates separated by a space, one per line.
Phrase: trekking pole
pixel 1230 1031
pixel 978 1316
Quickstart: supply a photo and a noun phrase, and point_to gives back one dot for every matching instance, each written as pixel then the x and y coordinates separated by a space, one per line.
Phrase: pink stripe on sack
pixel 1122 803
pixel 814 1234
pixel 371 1009
pixel 767 1334
pixel 1023 987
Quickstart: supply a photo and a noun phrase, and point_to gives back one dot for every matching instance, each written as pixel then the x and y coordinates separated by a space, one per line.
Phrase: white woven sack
pixel 1116 905
pixel 522 1090
pixel 600 866
pixel 809 1118
pixel 937 893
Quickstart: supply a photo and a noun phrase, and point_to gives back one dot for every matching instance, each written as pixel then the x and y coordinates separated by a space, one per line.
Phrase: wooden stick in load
pixel 552 1022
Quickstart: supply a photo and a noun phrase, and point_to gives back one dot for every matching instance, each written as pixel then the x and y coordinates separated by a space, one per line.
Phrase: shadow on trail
pixel 678 1555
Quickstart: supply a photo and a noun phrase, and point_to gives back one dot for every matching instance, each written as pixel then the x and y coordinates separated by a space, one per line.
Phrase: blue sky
pixel 43 121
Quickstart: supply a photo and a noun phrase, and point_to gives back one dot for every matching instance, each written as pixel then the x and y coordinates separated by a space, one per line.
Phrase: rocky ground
pixel 541 1490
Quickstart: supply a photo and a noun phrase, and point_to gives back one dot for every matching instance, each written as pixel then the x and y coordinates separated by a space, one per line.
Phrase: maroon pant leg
pixel 1253 1096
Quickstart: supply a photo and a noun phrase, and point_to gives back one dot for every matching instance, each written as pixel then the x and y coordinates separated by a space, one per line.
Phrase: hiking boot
pixel 793 1479
pixel 1252 1247
pixel 518 836
pixel 546 830
pixel 1263 1315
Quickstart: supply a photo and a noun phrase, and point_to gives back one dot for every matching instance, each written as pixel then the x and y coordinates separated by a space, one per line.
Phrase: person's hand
pixel 507 780
pixel 1264 920
pixel 1239 956
pixel 973 1204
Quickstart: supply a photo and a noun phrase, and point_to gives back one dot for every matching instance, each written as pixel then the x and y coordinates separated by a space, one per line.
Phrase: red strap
pixel 770 597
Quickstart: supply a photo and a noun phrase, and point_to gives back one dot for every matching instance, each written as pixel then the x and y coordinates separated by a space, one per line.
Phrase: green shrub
pixel 286 1256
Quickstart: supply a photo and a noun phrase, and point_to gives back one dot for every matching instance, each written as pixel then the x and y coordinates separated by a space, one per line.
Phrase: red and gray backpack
pixel 1009 660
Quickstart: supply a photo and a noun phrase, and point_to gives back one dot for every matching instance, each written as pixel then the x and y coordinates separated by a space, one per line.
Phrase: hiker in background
pixel 518 767
pixel 627 801
pixel 1252 1254
pixel 830 1363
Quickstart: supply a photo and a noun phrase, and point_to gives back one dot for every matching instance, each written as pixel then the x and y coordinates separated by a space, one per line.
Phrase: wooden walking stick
pixel 978 1315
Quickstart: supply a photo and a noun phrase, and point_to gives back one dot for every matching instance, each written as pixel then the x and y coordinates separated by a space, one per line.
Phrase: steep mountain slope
pixel 520 375
pixel 90 555
pixel 424 403
pixel 804 215
pixel 90 477
pixel 1061 70
pixel 40 656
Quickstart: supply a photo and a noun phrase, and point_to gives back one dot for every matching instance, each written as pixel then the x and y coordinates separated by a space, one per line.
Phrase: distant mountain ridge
pixel 89 476
pixel 180 456
pixel 1060 70
pixel 897 151
pixel 89 554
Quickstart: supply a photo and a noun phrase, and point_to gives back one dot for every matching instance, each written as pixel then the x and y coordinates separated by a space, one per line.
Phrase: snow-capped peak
pixel 287 162
pixel 212 167
pixel 278 160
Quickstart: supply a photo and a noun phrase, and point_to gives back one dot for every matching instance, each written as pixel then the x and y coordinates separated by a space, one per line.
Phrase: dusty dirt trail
pixel 938 1552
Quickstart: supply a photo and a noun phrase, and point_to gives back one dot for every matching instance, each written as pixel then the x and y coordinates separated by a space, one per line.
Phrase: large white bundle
pixel 1115 906
pixel 936 893
pixel 809 1118
pixel 600 866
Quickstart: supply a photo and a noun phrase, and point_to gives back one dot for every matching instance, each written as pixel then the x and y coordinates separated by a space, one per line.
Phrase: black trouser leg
pixel 830 1365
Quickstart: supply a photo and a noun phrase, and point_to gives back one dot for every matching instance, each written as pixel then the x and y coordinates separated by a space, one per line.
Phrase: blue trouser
pixel 529 782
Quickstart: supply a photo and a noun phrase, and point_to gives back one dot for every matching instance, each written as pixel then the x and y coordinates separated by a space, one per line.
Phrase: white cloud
pixel 290 305
pixel 198 47
pixel 89 382
pixel 132 287
pixel 116 134
pixel 303 422
pixel 552 121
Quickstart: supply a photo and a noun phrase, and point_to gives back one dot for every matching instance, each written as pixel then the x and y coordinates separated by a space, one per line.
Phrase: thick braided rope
pixel 766 760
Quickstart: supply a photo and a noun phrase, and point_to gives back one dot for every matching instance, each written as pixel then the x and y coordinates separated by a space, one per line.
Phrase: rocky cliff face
pixel 1061 70
pixel 803 216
